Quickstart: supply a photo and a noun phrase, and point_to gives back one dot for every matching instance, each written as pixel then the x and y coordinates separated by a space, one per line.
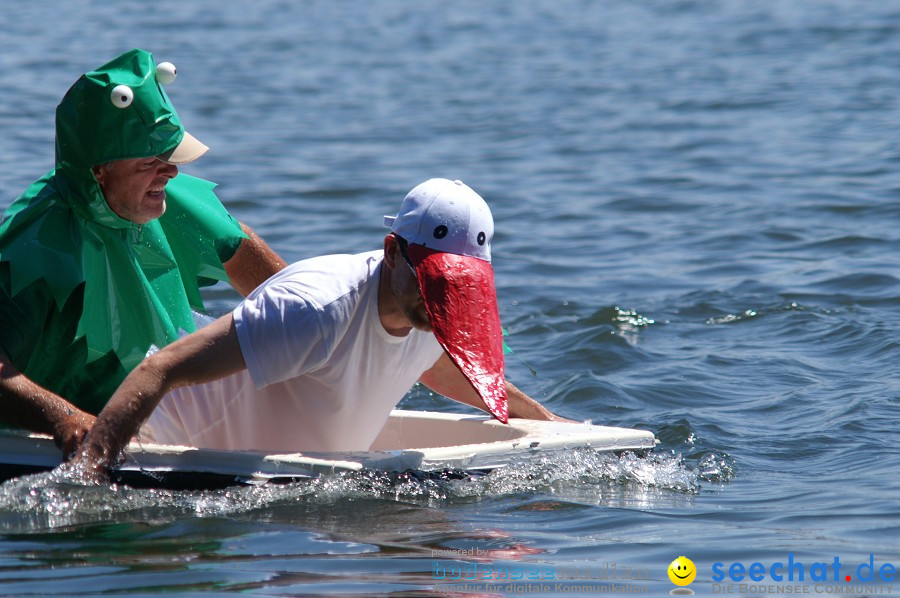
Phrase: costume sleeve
pixel 21 319
pixel 201 233
pixel 281 334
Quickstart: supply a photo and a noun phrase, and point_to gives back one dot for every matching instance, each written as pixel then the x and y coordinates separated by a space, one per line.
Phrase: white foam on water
pixel 61 498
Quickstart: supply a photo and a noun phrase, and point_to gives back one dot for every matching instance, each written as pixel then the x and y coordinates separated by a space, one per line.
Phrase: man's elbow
pixel 154 375
pixel 252 264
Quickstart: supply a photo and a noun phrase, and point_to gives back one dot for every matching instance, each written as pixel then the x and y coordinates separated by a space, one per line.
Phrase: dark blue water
pixel 697 211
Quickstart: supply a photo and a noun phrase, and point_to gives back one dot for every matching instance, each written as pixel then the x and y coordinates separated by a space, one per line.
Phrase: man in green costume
pixel 105 255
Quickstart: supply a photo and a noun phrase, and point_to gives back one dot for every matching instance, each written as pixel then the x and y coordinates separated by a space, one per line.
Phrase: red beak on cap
pixel 461 302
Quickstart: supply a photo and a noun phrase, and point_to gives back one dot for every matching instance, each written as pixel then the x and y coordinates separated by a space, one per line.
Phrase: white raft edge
pixel 520 439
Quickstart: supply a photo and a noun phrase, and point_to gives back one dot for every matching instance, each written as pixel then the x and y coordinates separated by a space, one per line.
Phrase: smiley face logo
pixel 682 571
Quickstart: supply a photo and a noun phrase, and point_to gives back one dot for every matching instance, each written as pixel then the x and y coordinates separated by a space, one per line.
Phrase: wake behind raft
pixel 421 441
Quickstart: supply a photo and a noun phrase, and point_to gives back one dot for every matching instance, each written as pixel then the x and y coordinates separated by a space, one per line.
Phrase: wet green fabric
pixel 83 292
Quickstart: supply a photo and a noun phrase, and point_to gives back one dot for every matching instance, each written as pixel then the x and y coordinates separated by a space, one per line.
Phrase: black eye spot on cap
pixel 440 232
pixel 481 238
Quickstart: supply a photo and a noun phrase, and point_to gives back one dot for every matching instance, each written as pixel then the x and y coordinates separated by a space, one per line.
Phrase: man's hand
pixel 86 468
pixel 447 379
pixel 556 418
pixel 69 432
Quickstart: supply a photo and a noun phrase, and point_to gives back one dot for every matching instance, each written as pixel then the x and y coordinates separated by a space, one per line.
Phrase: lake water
pixel 697 234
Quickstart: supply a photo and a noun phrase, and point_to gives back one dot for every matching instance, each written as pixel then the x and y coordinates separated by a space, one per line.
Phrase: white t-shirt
pixel 322 372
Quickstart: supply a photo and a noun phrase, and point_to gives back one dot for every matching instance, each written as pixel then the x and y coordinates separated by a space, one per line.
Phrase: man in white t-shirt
pixel 316 358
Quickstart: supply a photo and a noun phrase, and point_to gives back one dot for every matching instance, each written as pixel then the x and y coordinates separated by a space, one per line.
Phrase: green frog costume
pixel 83 292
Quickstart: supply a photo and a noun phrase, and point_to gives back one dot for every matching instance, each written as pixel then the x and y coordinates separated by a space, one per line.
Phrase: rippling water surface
pixel 696 206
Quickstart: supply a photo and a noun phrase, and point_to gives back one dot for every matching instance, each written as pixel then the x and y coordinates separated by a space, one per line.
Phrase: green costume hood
pixel 138 283
pixel 94 125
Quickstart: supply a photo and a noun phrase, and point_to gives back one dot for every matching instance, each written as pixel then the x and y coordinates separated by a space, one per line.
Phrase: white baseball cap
pixel 446 216
pixel 448 230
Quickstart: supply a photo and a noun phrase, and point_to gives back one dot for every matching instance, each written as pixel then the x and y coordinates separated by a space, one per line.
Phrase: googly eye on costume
pixel 121 96
pixel 165 73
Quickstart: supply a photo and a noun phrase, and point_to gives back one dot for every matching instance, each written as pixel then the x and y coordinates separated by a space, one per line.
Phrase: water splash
pixel 716 468
pixel 729 318
pixel 59 499
pixel 749 314
pixel 581 469
pixel 628 323
pixel 630 320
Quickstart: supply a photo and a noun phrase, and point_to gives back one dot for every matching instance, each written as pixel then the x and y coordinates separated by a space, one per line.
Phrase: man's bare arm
pixel 252 264
pixel 446 379
pixel 210 353
pixel 26 404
